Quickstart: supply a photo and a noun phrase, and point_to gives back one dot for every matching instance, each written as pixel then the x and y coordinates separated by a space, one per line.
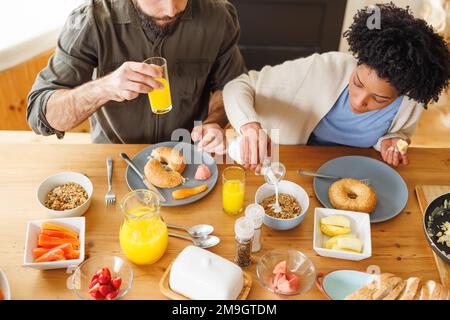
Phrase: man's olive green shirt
pixel 101 35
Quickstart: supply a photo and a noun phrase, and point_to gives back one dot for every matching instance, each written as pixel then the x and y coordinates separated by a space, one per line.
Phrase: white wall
pixel 354 5
pixel 30 27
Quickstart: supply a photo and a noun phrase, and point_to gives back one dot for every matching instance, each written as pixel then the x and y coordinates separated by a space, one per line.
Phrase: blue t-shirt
pixel 343 127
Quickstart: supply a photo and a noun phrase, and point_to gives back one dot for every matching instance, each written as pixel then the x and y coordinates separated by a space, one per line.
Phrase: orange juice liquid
pixel 233 192
pixel 160 99
pixel 144 241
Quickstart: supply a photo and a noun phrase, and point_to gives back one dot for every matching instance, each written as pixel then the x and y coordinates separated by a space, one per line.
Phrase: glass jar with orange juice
pixel 233 190
pixel 143 234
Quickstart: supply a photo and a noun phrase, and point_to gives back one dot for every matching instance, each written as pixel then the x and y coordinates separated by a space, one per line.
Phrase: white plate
pixel 31 242
pixel 360 225
pixel 4 286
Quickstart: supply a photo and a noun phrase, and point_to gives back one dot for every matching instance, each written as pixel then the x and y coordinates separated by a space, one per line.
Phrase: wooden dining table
pixel 398 245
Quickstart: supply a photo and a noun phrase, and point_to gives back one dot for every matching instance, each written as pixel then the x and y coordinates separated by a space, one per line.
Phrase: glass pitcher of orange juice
pixel 143 234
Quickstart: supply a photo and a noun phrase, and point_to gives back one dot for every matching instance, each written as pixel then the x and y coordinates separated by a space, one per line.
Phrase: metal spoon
pixel 197 231
pixel 206 242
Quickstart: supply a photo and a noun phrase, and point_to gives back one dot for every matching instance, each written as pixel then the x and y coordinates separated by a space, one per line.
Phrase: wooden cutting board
pixel 426 194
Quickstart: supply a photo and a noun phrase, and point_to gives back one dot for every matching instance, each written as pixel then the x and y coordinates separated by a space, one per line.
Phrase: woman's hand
pixel 390 153
pixel 255 146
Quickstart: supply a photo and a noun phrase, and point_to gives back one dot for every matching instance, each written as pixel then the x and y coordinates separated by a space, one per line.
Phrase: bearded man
pixel 97 71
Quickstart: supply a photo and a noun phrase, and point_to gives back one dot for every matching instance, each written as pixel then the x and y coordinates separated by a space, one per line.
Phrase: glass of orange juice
pixel 143 234
pixel 233 190
pixel 160 99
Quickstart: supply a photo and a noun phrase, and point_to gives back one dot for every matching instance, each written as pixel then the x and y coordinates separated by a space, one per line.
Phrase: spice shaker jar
pixel 256 213
pixel 244 229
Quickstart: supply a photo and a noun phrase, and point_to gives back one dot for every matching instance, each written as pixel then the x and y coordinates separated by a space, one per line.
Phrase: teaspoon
pixel 197 231
pixel 206 242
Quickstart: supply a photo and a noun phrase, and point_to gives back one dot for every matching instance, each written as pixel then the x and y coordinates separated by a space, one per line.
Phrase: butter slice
pixel 202 275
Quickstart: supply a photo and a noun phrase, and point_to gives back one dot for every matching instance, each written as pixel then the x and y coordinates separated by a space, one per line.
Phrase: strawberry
pixel 102 286
pixel 105 276
pixel 112 295
pixel 102 279
pixel 93 283
pixel 94 288
pixel 116 282
pixel 106 272
pixel 97 296
pixel 105 289
pixel 94 277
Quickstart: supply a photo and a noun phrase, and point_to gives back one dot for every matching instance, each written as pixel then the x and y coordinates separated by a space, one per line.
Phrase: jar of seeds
pixel 244 229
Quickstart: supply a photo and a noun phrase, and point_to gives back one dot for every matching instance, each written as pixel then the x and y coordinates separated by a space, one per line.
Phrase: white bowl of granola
pixel 294 202
pixel 65 194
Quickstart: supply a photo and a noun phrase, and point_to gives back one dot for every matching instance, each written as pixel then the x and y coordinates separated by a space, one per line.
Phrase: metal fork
pixel 110 197
pixel 319 175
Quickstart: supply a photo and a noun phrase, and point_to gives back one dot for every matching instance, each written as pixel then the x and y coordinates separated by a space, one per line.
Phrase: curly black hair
pixel 405 51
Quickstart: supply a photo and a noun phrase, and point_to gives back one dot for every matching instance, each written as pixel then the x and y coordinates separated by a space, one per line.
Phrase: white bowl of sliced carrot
pixel 55 243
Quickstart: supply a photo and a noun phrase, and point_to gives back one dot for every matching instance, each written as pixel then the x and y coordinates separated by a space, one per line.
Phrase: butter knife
pixel 149 186
pixel 319 175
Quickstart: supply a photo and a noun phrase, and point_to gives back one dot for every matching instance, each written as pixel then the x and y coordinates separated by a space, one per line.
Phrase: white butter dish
pixel 202 275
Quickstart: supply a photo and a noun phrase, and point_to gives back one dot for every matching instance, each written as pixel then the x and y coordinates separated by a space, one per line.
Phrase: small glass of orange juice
pixel 143 234
pixel 160 99
pixel 233 190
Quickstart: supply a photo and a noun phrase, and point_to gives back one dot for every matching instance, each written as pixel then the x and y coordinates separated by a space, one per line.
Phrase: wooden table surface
pixel 398 246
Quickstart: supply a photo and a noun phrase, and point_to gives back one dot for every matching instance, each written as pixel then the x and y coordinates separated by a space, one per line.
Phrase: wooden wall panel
pixel 15 84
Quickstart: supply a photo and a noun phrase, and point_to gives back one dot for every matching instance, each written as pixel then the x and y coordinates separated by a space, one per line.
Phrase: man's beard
pixel 150 22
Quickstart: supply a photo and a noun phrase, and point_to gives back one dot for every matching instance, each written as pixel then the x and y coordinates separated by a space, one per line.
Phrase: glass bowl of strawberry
pixel 102 278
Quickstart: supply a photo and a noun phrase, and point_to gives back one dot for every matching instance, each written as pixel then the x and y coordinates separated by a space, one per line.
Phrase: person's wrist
pixel 211 124
pixel 250 126
pixel 102 91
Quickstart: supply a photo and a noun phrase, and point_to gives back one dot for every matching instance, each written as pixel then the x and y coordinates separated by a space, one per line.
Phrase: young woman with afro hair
pixel 370 98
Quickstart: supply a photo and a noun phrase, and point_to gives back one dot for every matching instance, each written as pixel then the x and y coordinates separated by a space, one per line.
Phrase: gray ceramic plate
pixel 193 158
pixel 391 190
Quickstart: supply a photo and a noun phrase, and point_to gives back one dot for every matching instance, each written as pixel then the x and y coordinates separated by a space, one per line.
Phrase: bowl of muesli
pixel 65 194
pixel 293 201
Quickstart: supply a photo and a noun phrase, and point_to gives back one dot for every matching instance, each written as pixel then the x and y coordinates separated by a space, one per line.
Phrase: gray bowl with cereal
pixel 293 200
pixel 65 194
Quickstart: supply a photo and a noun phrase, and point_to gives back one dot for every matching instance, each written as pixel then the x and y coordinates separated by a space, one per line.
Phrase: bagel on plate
pixel 165 167
pixel 352 195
